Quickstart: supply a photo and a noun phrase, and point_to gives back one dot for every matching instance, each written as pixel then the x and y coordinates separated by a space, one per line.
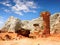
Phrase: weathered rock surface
pixel 54 22
pixel 55 27
pixel 13 24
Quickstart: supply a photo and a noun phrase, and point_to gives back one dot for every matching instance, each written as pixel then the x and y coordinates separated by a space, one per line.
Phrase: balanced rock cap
pixel 46 13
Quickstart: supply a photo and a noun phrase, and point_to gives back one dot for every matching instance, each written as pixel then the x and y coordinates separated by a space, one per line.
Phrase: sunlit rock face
pixel 54 19
pixel 30 24
pixel 55 23
pixel 12 24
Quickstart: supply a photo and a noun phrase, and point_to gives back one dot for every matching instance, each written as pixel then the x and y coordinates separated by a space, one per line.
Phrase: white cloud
pixel 20 6
pixel 6 10
pixel 19 13
pixel 6 3
pixel 31 4
pixel 25 6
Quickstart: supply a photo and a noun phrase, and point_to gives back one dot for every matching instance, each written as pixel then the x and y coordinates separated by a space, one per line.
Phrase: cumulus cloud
pixel 25 6
pixel 6 3
pixel 19 13
pixel 6 10
pixel 21 5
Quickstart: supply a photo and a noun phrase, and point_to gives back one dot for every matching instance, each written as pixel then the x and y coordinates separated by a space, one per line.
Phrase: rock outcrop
pixel 32 22
pixel 54 22
pixel 46 22
pixel 55 26
pixel 12 24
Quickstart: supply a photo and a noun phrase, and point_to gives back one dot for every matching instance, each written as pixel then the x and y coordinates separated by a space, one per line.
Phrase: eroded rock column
pixel 46 22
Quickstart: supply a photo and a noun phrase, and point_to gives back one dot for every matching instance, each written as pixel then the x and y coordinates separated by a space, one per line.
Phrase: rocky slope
pixel 55 23
pixel 32 22
pixel 13 24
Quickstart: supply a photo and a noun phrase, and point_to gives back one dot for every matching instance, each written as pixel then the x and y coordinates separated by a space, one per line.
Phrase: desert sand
pixel 51 40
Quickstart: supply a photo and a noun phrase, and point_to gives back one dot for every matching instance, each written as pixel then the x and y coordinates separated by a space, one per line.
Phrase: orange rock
pixel 46 22
pixel 8 36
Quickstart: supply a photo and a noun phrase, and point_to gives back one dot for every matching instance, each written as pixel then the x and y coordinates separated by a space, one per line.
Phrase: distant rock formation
pixel 31 23
pixel 54 23
pixel 55 26
pixel 12 24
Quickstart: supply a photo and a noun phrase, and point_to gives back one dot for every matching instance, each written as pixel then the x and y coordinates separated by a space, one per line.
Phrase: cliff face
pixel 13 24
pixel 31 23
pixel 55 23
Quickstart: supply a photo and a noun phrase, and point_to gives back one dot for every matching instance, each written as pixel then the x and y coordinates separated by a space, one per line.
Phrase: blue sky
pixel 26 9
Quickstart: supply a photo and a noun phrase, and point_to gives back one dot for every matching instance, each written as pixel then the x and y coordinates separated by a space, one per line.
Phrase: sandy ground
pixel 51 40
pixel 28 41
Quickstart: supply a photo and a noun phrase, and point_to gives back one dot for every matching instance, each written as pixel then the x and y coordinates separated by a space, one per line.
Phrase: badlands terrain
pixel 36 39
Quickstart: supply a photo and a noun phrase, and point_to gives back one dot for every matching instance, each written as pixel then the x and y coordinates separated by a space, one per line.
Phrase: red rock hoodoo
pixel 46 22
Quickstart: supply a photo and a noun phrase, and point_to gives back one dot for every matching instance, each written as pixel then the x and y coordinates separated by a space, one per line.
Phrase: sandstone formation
pixel 46 22
pixel 31 23
pixel 15 29
pixel 12 24
pixel 55 27
pixel 10 36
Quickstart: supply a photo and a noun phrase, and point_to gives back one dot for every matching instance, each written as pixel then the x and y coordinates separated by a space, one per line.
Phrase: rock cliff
pixel 13 23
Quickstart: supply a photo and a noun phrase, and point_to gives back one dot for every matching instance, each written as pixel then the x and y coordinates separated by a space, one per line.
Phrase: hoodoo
pixel 46 22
